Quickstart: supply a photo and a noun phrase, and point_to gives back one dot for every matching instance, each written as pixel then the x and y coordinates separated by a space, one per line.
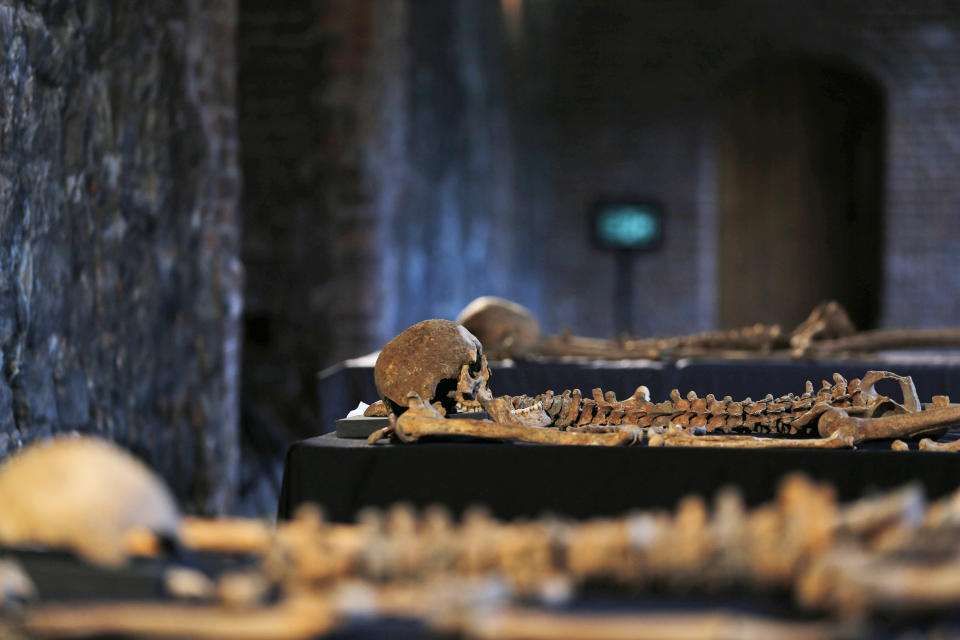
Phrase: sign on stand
pixel 627 228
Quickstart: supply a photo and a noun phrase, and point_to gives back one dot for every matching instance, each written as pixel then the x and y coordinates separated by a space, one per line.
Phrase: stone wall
pixel 119 278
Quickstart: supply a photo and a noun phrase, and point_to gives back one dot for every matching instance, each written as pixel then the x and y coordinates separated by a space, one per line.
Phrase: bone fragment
pixel 828 320
pixel 376 410
pixel 931 445
pixel 911 402
pixel 227 535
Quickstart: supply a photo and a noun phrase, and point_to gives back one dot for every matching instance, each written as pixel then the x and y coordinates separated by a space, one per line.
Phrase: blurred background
pixel 401 159
pixel 203 203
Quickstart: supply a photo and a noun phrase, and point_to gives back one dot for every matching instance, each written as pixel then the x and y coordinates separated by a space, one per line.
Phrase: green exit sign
pixel 630 226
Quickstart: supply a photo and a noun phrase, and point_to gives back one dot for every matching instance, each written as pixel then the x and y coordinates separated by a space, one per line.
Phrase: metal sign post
pixel 627 228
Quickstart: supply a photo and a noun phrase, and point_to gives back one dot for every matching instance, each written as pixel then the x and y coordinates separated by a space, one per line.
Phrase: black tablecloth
pixel 340 388
pixel 517 480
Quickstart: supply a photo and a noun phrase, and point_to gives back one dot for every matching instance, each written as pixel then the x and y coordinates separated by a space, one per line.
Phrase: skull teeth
pixel 527 410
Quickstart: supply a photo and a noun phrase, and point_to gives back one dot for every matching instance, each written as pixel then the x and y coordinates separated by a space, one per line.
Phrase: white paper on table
pixel 359 410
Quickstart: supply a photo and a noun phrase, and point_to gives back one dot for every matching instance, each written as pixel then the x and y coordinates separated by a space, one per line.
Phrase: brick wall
pixel 305 245
pixel 916 52
pixel 636 85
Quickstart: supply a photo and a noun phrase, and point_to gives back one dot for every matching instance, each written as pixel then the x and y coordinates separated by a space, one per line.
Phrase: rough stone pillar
pixel 119 278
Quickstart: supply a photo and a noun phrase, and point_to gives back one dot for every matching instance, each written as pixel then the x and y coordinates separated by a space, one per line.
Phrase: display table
pixel 527 480
pixel 341 387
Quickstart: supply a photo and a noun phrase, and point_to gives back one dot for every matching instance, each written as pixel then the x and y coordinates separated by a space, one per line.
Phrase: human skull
pixel 504 328
pixel 439 360
pixel 84 494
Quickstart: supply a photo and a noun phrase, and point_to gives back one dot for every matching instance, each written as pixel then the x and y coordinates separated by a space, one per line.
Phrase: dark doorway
pixel 801 150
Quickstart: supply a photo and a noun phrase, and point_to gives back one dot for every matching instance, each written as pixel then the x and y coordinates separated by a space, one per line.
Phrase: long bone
pixel 420 419
pixel 754 339
pixel 878 339
pixel 837 421
pixel 675 437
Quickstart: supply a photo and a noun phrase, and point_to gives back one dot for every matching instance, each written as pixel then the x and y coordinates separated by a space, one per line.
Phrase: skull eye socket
pixel 475 367
pixel 446 394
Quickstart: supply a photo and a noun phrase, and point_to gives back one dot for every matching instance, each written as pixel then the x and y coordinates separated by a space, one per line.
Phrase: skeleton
pixel 891 552
pixel 799 542
pixel 843 414
pixel 510 330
